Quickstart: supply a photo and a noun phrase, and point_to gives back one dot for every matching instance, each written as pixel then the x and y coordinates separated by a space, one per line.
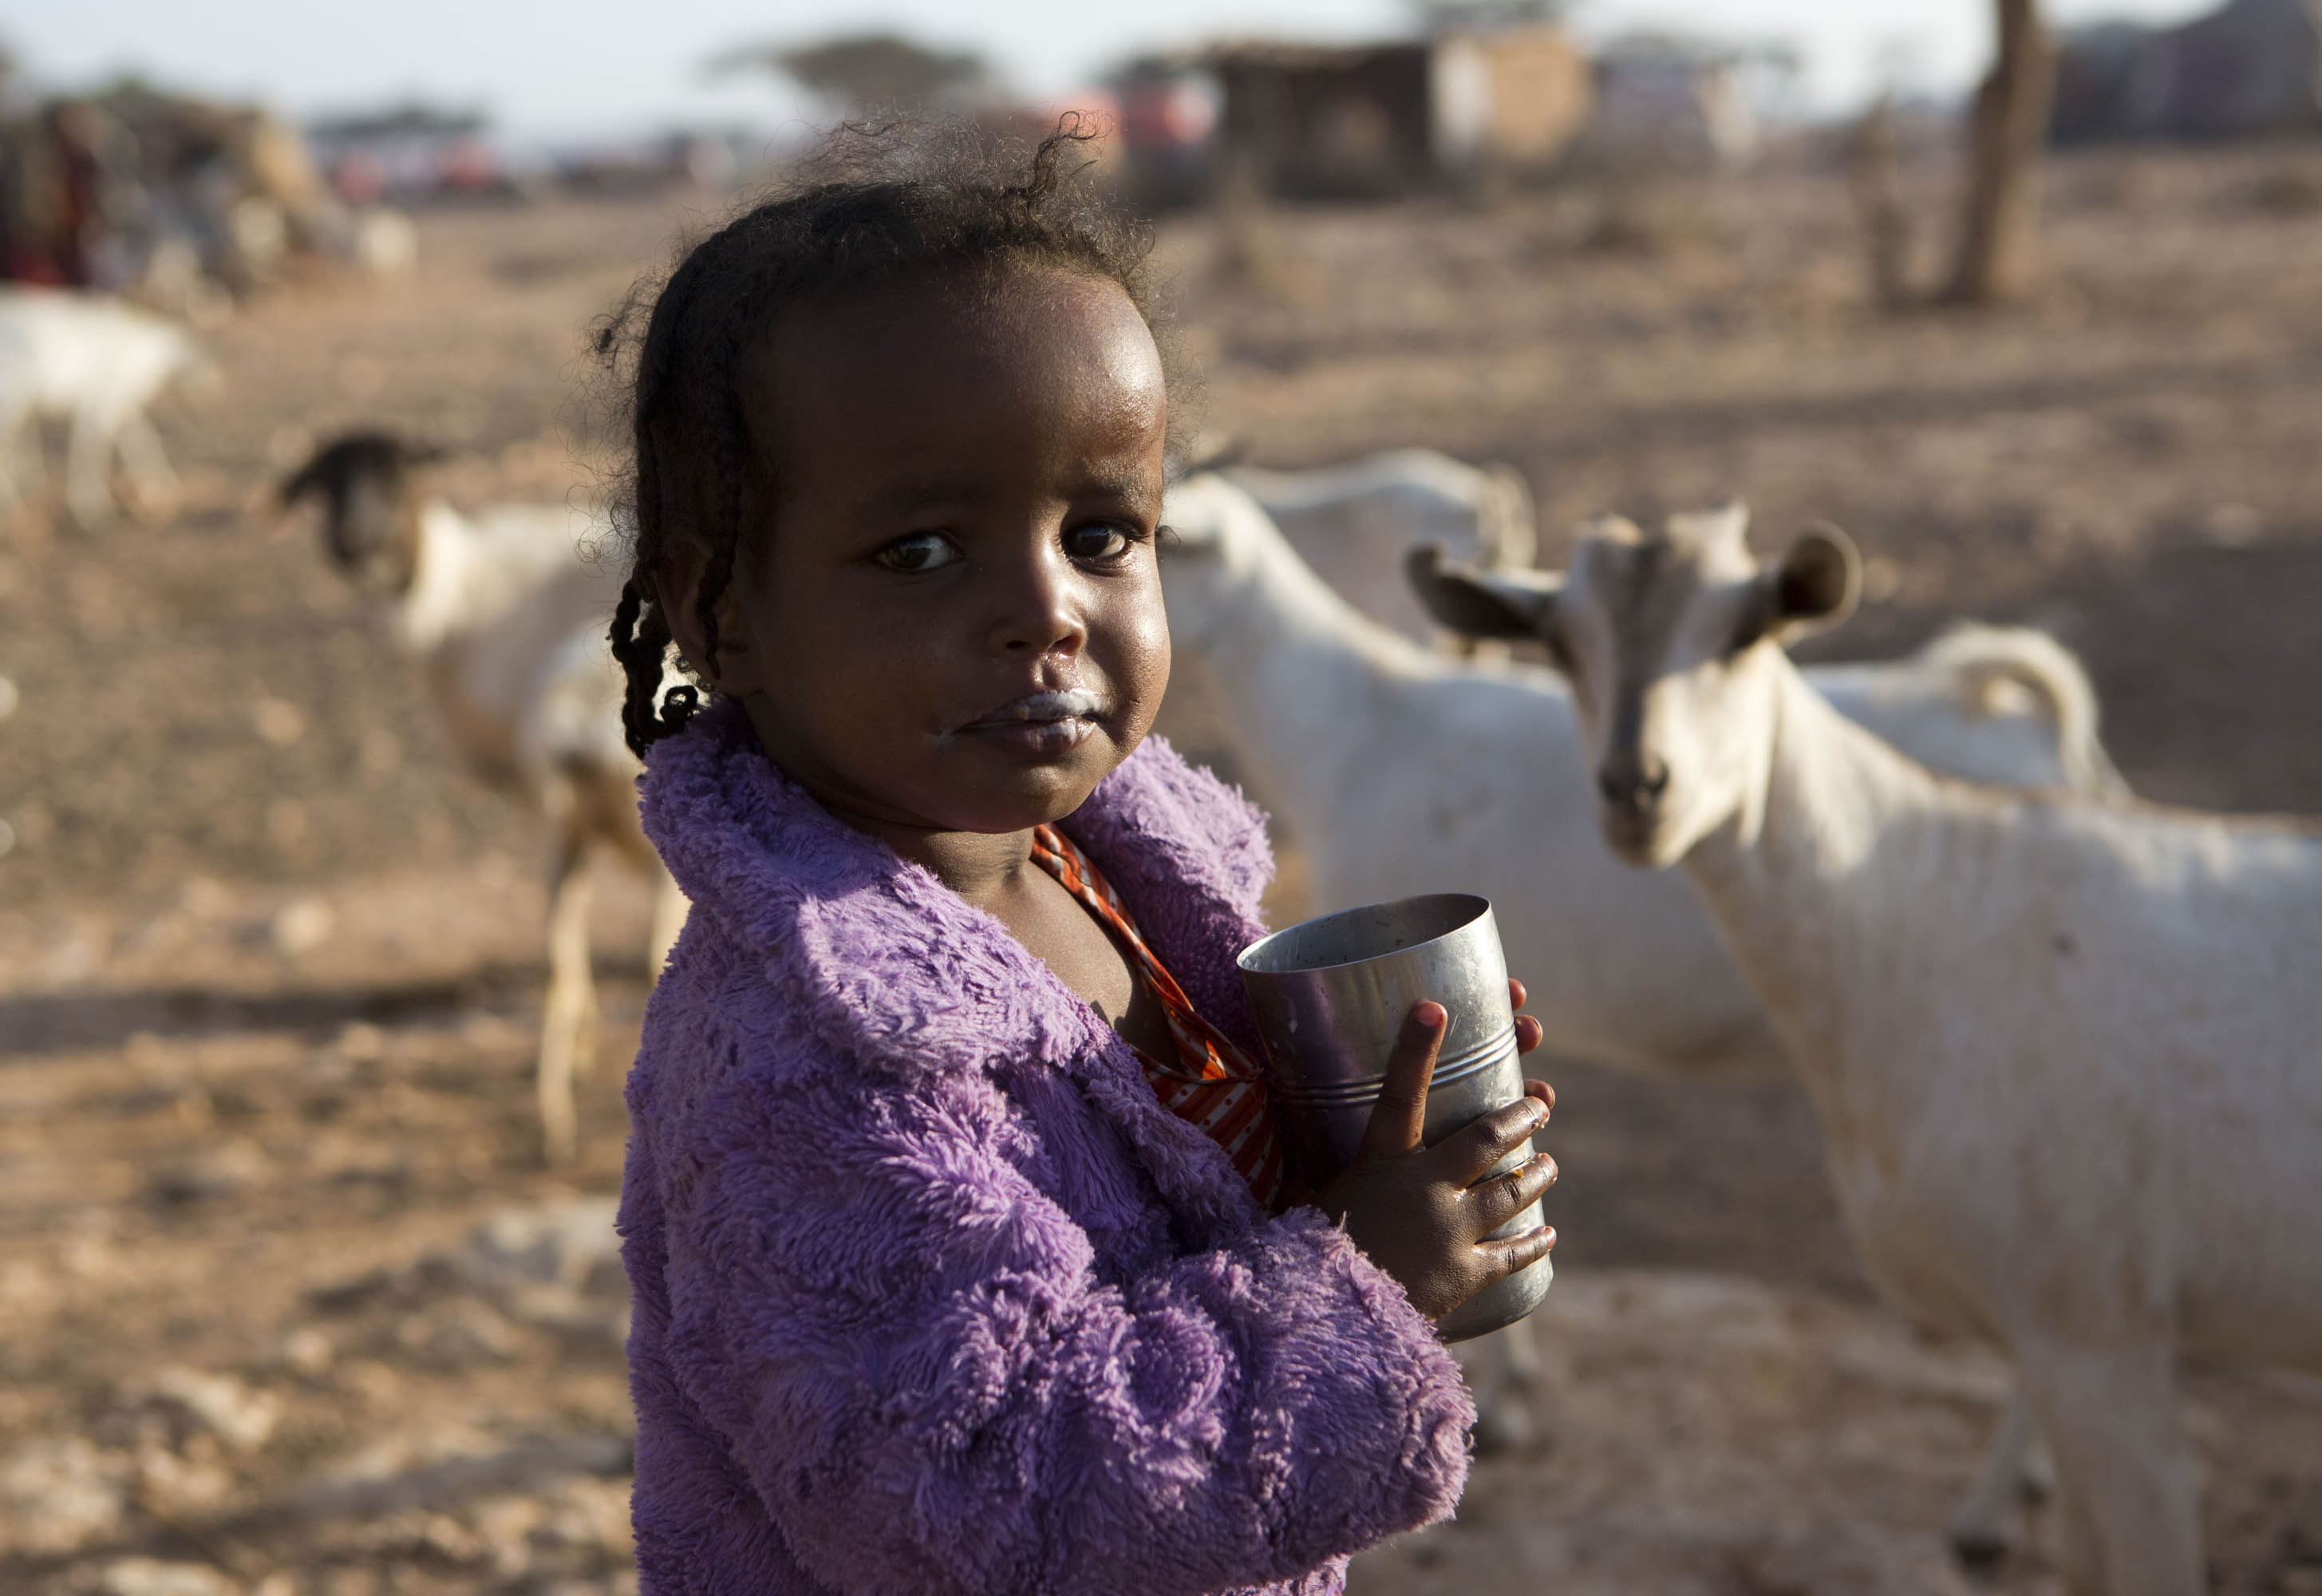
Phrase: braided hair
pixel 879 205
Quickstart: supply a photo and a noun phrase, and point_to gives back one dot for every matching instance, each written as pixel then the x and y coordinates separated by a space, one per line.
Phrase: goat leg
pixel 23 474
pixel 88 460
pixel 146 466
pixel 1981 1532
pixel 571 997
pixel 2125 1471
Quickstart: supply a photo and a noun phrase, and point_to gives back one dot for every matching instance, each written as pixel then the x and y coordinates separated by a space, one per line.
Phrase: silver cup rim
pixel 1481 907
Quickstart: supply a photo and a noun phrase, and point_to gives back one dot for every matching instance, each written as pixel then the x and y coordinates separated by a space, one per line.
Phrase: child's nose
pixel 1041 612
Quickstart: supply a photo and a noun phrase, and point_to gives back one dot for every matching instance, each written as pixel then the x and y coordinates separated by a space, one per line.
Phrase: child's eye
pixel 1097 541
pixel 919 551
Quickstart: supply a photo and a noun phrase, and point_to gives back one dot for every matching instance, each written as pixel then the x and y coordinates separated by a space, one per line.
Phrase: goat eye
pixel 1097 541
pixel 918 552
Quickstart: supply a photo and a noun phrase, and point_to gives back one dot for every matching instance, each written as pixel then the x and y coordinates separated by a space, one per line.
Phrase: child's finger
pixel 1499 1199
pixel 1400 1116
pixel 1516 993
pixel 1468 1153
pixel 1503 1258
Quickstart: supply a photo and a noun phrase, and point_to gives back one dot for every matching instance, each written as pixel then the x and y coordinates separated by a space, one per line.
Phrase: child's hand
pixel 1416 1211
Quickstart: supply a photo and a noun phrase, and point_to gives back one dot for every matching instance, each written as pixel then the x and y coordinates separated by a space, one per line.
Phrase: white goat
pixel 1401 772
pixel 94 363
pixel 2064 1048
pixel 509 626
pixel 1355 523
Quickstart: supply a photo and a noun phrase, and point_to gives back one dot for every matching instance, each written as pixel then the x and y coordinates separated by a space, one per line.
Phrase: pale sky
pixel 571 67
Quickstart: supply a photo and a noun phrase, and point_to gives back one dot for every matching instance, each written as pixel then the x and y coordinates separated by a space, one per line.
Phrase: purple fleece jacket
pixel 931 1293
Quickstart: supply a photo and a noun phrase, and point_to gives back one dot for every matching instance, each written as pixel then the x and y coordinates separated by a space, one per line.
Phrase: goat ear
pixel 1483 603
pixel 1816 582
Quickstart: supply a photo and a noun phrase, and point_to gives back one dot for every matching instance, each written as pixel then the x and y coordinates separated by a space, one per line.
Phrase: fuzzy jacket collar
pixel 829 914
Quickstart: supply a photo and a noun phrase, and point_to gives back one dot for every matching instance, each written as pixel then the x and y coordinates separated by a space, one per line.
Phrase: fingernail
pixel 1431 1016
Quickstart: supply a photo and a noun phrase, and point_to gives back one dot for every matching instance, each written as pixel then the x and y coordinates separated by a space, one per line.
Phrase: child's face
pixel 945 612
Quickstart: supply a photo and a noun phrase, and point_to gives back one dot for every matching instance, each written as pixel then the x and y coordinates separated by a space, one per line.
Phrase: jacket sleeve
pixel 902 1342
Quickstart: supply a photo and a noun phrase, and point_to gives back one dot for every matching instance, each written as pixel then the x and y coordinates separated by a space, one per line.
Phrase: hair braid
pixel 640 640
pixel 728 447
pixel 640 634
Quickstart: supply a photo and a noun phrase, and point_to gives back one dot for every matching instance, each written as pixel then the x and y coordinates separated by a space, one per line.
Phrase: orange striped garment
pixel 1210 1082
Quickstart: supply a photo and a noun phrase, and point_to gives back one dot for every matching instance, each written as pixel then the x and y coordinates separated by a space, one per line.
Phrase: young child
pixel 961 1248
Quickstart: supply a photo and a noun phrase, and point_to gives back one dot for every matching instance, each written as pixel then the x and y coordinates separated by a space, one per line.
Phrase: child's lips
pixel 1040 724
pixel 1033 739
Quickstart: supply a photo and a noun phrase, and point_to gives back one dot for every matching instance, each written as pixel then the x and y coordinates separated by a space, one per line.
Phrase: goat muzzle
pixel 1632 786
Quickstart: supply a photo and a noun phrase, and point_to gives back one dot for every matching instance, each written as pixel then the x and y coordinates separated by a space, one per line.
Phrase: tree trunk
pixel 2011 125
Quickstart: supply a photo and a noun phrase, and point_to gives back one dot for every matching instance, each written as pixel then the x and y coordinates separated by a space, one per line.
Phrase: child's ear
pixel 677 580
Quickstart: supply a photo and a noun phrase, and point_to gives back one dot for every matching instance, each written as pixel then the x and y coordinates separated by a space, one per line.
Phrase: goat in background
pixel 1624 968
pixel 1356 522
pixel 95 363
pixel 508 625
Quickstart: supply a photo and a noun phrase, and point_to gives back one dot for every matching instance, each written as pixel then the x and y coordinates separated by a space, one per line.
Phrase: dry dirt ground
pixel 287 1305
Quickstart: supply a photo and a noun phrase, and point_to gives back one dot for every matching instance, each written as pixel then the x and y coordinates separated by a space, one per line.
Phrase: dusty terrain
pixel 287 1305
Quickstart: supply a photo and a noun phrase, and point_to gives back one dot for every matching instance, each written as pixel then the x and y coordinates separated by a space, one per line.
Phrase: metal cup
pixel 1330 998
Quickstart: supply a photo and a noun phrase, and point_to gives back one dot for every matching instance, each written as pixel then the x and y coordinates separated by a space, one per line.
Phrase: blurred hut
pixel 2249 68
pixel 69 183
pixel 1511 100
pixel 1667 102
pixel 1324 121
pixel 1309 121
pixel 176 199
